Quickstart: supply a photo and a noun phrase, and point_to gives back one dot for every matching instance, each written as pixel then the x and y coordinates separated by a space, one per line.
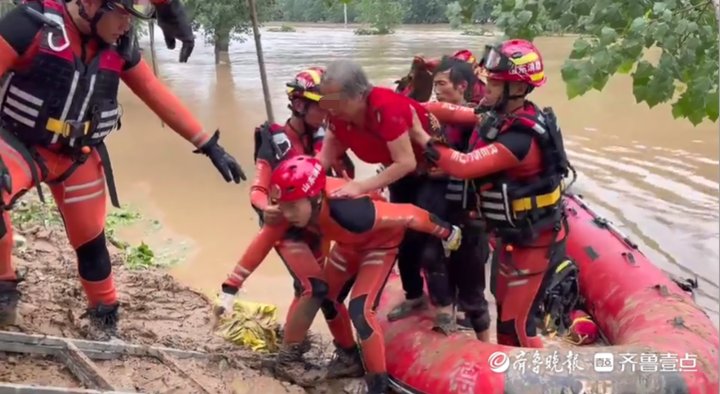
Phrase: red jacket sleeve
pixel 143 82
pixel 255 253
pixel 259 190
pixel 484 161
pixel 447 113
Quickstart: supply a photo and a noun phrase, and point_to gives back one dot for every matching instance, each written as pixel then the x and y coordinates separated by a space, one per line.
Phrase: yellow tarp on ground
pixel 252 325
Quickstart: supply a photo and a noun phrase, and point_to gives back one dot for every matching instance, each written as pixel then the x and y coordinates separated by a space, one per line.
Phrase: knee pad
pixel 94 259
pixel 318 288
pixel 328 309
pixel 356 308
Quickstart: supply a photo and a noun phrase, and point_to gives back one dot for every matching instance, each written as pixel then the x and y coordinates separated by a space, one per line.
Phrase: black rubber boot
pixel 347 363
pixel 377 383
pixel 9 297
pixel 290 366
pixel 104 321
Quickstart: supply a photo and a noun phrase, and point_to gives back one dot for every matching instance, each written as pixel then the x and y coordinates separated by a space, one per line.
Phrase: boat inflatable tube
pixel 661 341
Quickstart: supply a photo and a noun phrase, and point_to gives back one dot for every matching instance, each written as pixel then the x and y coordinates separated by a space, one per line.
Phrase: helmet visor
pixel 495 61
pixel 141 9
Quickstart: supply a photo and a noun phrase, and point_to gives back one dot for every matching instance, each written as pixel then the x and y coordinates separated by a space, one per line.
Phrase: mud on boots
pixel 346 363
pixel 366 231
pixel 53 131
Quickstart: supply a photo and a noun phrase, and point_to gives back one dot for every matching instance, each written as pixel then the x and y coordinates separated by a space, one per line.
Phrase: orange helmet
pixel 465 55
pixel 515 61
pixel 306 84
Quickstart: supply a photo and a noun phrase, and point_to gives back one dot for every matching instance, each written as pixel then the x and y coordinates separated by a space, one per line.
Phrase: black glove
pixel 174 23
pixel 226 164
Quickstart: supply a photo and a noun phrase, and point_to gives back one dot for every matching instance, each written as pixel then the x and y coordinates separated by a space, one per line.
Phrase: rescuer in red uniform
pixel 302 134
pixel 62 63
pixel 367 233
pixel 517 165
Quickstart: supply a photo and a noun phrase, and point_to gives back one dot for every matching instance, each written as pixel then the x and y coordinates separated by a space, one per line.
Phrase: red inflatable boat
pixel 662 342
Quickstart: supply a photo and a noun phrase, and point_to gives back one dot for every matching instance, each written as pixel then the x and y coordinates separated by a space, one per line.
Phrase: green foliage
pixel 454 14
pixel 669 47
pixel 382 15
pixel 331 11
pixel 222 20
pixel 29 213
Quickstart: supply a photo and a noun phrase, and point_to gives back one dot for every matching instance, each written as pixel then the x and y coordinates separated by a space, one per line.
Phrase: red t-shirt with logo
pixel 388 117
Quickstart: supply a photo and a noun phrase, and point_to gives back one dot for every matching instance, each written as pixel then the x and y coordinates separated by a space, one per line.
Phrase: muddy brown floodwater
pixel 654 176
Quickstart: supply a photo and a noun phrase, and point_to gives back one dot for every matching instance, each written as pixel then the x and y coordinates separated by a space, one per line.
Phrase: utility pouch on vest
pixel 281 145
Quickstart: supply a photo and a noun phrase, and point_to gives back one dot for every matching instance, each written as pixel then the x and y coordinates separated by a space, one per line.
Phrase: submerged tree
pixel 224 20
pixel 616 36
pixel 382 15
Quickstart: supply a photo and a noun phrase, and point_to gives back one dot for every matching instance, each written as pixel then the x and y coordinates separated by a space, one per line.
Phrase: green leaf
pixel 712 105
pixel 638 25
pixel 643 72
pixel 607 35
pixel 577 77
pixel 581 48
pixel 524 16
pixel 569 70
pixel 601 59
pixel 507 5
pixel 659 7
pixel 626 66
pixel 660 31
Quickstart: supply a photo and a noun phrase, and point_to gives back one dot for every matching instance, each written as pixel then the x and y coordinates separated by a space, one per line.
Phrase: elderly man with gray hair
pixel 374 123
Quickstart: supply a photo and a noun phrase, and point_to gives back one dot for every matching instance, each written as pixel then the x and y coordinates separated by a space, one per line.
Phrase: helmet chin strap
pixel 501 105
pixel 300 115
pixel 92 21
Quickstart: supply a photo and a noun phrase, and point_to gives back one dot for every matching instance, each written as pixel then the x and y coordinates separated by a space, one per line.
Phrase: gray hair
pixel 349 75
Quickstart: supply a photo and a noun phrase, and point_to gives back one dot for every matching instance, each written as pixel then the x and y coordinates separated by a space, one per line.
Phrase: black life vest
pixel 457 191
pixel 519 208
pixel 59 99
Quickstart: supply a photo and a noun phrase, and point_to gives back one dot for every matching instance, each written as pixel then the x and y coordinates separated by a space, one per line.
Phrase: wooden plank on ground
pixel 84 369
pixel 30 343
pixel 11 388
pixel 172 364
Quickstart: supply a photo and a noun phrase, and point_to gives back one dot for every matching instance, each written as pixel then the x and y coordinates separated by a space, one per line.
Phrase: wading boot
pixel 103 321
pixel 406 308
pixel 9 297
pixel 377 383
pixel 290 366
pixel 346 363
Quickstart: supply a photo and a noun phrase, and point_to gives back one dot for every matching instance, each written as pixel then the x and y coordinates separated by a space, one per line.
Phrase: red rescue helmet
pixel 296 178
pixel 141 9
pixel 515 61
pixel 466 56
pixel 306 84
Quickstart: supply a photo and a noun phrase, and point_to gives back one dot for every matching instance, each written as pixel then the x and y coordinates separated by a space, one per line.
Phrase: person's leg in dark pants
pixel 467 271
pixel 432 197
pixel 406 190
